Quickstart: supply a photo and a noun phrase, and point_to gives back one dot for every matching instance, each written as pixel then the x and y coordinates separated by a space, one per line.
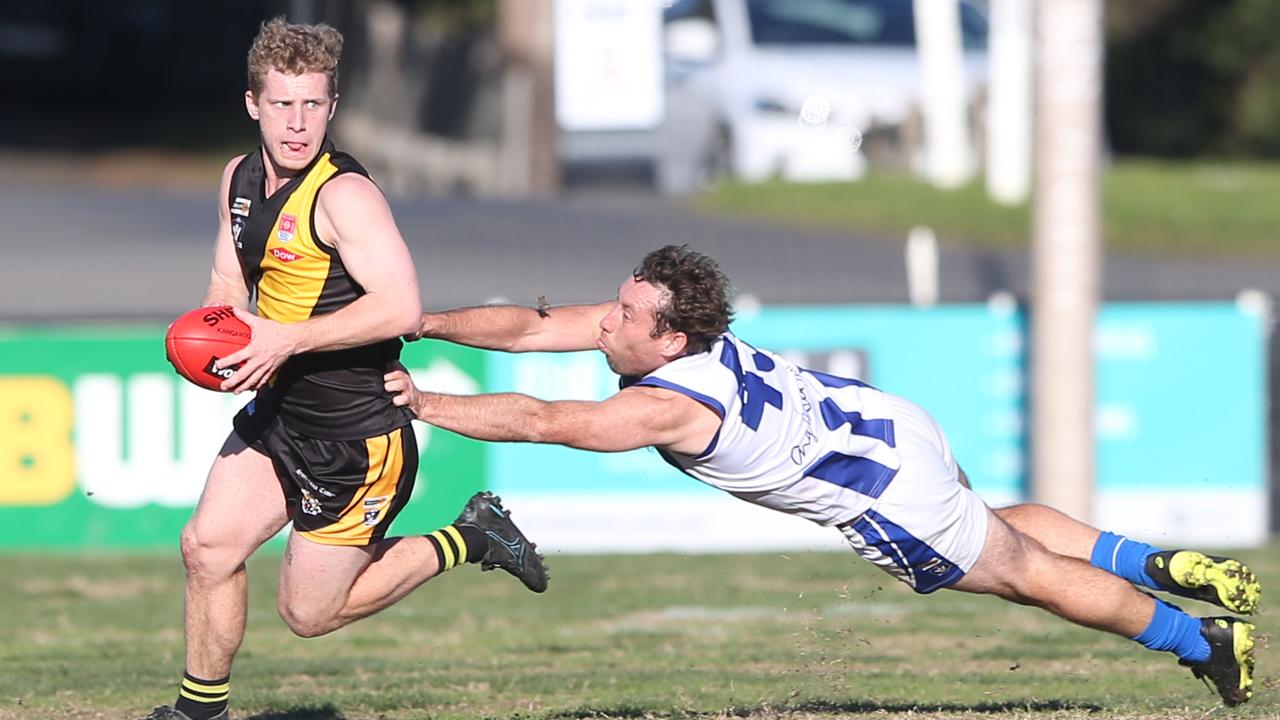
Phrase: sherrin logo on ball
pixel 215 315
pixel 200 338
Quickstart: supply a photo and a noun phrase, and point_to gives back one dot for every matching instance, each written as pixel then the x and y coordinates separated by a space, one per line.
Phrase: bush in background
pixel 1187 78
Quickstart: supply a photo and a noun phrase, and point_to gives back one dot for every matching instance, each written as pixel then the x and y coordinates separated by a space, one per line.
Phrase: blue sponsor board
pixel 1182 398
pixel 1181 413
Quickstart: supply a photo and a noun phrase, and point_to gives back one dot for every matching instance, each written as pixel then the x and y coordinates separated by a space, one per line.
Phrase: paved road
pixel 83 252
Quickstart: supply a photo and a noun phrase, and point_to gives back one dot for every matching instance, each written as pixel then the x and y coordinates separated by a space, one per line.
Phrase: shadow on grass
pixel 824 706
pixel 322 712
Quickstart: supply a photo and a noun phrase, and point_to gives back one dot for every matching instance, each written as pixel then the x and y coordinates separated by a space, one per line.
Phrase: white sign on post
pixel 608 56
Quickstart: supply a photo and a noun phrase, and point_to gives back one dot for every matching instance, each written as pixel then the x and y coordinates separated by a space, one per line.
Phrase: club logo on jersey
pixel 240 208
pixel 310 505
pixel 237 226
pixel 288 225
pixel 284 255
pixel 936 566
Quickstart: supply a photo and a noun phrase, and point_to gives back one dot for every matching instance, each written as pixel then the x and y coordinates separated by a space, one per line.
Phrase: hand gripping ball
pixel 198 339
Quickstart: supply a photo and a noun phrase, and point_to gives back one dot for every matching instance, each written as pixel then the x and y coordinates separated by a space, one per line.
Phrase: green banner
pixel 103 445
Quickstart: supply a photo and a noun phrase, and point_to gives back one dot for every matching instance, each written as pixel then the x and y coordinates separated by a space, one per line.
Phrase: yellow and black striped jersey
pixel 292 275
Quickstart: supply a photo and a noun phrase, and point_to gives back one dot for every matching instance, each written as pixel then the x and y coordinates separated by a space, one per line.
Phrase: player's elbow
pixel 518 345
pixel 547 425
pixel 527 337
pixel 570 425
pixel 405 316
pixel 540 427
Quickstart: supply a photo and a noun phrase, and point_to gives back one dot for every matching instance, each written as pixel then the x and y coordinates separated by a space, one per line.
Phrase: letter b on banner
pixel 37 460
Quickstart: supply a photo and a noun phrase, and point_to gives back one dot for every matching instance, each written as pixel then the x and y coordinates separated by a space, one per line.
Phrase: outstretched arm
pixel 635 417
pixel 514 328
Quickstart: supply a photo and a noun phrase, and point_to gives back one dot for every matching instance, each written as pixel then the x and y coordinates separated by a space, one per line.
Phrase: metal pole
pixel 526 33
pixel 1065 253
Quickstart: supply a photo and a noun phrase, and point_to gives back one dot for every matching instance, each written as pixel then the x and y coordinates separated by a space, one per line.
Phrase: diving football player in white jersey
pixel 834 451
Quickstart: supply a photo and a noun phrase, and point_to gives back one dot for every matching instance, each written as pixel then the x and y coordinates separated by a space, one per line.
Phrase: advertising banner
pixel 103 445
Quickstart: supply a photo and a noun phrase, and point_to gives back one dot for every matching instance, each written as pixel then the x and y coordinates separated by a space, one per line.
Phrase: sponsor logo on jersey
pixel 284 255
pixel 240 206
pixel 372 509
pixel 288 225
pixel 311 483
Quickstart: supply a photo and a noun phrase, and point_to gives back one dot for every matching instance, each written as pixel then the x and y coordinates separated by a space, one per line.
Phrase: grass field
pixel 1191 209
pixel 818 635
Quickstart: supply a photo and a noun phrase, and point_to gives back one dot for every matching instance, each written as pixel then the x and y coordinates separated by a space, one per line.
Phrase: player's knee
pixel 1032 580
pixel 204 559
pixel 301 622
pixel 305 620
pixel 1013 513
pixel 1028 515
pixel 1013 569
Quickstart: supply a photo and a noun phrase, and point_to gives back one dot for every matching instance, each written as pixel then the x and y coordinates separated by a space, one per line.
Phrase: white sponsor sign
pixel 608 57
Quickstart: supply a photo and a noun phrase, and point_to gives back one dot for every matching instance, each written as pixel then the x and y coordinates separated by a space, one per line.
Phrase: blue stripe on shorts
pixel 925 568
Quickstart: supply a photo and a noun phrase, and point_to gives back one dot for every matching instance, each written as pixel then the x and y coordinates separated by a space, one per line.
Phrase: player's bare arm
pixel 514 328
pixel 633 418
pixel 226 280
pixel 353 217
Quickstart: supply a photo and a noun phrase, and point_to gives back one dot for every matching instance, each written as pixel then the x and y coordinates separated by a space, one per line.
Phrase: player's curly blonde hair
pixel 294 49
pixel 697 294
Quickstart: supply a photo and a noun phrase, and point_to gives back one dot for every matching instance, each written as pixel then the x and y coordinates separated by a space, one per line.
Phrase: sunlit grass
pixel 1149 207
pixel 803 635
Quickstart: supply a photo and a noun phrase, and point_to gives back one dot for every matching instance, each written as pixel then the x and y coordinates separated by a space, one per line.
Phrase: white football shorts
pixel 926 528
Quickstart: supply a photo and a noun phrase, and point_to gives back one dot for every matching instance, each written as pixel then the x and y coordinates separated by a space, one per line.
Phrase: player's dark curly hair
pixel 697 299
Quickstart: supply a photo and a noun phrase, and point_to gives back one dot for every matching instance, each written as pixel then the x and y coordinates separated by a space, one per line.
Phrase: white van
pixel 785 88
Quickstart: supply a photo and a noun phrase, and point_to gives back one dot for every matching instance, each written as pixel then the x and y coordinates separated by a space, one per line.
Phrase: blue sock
pixel 1124 557
pixel 1175 631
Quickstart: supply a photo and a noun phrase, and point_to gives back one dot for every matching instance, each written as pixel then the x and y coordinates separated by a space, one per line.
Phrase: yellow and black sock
pixel 202 699
pixel 457 544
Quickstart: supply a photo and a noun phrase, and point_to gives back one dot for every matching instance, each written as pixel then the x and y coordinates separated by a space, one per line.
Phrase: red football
pixel 200 338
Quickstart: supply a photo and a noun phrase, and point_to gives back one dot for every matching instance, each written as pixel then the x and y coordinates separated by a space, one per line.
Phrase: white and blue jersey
pixel 835 451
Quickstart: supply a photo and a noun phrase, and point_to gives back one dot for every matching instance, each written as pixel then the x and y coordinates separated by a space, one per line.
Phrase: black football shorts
pixel 340 492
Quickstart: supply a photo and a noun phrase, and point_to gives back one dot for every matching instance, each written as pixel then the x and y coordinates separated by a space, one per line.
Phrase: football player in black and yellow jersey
pixel 308 240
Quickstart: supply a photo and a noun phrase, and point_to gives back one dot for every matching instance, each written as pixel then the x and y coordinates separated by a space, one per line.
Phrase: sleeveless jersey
pixel 331 395
pixel 790 439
